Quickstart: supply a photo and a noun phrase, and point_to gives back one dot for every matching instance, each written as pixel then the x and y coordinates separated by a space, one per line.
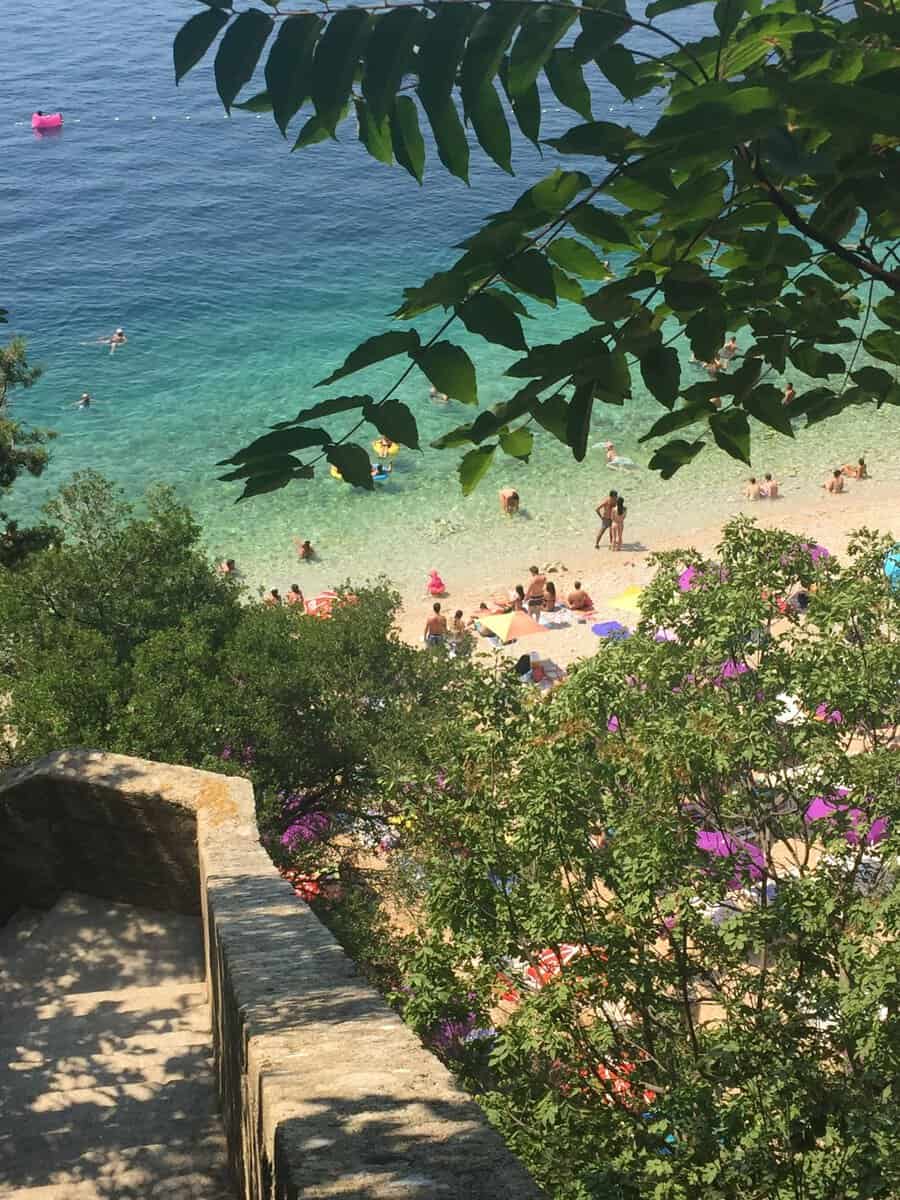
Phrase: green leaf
pixel 518 443
pixel 353 463
pixel 373 350
pixel 374 135
pixel 266 464
pixel 389 56
pixel 541 29
pixel 599 29
pixel 553 415
pixel 727 16
pixel 531 273
pixel 619 68
pixel 489 122
pixel 615 300
pixel 450 369
pixel 706 333
pixel 884 344
pixel 660 7
pixel 260 103
pixel 280 441
pixel 449 135
pixel 526 108
pixel 549 196
pixel 289 66
pixel 661 372
pixel 816 363
pixel 673 456
pixel 406 137
pixel 440 51
pixel 393 419
pixel 326 408
pixel 688 287
pixel 566 80
pixel 679 419
pixel 313 131
pixel 839 270
pixel 258 485
pixel 473 467
pixel 486 315
pixel 600 138
pixel 874 380
pixel 602 227
pixel 575 257
pixel 335 61
pixel 888 311
pixel 578 422
pixel 731 430
pixel 567 288
pixel 766 404
pixel 487 44
pixel 194 38
pixel 239 52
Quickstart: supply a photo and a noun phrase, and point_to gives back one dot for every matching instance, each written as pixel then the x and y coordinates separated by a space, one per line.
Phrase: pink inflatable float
pixel 40 120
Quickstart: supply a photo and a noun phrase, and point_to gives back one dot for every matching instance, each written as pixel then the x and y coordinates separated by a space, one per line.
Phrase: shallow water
pixel 243 274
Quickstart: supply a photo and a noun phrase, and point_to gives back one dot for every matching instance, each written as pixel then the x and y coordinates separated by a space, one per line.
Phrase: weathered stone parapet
pixel 325 1092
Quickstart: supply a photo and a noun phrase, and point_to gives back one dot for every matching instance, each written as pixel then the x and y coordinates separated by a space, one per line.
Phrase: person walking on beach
pixel 509 501
pixel 534 593
pixel 618 524
pixel 604 512
pixel 835 484
pixel 436 626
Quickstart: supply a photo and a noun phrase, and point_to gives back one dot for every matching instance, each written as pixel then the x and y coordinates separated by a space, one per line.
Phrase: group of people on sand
pixel 612 513
pixel 768 488
pixel 273 598
pixel 764 489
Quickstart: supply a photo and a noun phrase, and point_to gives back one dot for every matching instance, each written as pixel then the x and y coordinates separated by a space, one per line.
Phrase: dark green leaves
pixel 406 137
pixel 440 51
pixel 353 463
pixel 374 135
pixel 884 344
pixel 602 227
pixel 662 374
pixel 888 311
pixel 541 29
pixel 473 467
pixel 731 429
pixel 565 77
pixel 239 53
pixel 449 135
pixel 335 62
pixel 574 256
pixel 688 287
pixel 518 443
pixel 389 55
pixel 530 272
pixel 395 421
pixel 578 421
pixel 619 68
pixel 289 66
pixel 194 38
pixel 673 456
pixel 450 369
pixel 816 363
pixel 280 442
pixel 326 408
pixel 488 316
pixel 489 122
pixel 373 350
pixel 600 138
pixel 767 405
pixel 488 40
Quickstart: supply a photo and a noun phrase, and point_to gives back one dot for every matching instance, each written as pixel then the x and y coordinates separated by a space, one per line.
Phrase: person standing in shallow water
pixel 604 512
pixel 436 626
pixel 618 524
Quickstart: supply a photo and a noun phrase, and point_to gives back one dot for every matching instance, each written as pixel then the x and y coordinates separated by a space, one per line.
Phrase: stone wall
pixel 325 1092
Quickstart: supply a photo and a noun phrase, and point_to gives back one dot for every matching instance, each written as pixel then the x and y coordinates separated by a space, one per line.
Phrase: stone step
pixel 86 944
pixel 192 1167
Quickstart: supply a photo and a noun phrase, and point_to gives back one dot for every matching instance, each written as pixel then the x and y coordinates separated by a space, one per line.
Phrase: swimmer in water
pixel 438 397
pixel 115 339
pixel 85 401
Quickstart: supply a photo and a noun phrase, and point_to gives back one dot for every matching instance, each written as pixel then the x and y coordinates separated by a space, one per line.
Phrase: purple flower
pixel 832 716
pixel 248 756
pixel 613 724
pixel 441 780
pixel 227 752
pixel 290 803
pixel 451 1034
pixel 311 827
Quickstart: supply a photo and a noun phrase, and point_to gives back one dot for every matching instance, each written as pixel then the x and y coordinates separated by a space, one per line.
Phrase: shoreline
pixel 605 574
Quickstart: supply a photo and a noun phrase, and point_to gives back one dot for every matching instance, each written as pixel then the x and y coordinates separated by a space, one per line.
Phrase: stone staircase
pixel 106 1084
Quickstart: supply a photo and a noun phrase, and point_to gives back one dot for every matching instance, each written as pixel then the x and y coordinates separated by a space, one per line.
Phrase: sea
pixel 243 273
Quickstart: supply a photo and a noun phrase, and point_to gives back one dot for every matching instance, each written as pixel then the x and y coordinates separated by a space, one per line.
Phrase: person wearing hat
pixel 85 401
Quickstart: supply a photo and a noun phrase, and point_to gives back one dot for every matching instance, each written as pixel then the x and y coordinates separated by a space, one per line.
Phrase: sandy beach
pixel 605 574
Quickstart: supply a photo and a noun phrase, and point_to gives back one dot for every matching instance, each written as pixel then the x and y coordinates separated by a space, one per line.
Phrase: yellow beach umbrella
pixel 508 626
pixel 628 600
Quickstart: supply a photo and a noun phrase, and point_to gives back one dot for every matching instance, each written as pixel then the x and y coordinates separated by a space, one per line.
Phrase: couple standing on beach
pixel 612 513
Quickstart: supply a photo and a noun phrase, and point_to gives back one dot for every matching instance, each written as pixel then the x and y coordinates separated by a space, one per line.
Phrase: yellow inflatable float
pixel 385 448
pixel 335 473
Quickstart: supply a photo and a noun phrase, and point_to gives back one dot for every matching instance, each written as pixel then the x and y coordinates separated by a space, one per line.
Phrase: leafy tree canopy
pixel 761 199
pixel 22 450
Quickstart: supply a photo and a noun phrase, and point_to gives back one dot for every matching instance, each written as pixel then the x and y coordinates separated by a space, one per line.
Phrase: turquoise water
pixel 242 274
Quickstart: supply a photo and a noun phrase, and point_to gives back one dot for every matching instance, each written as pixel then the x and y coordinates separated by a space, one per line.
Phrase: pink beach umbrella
pixel 827 807
pixel 321 605
pixel 748 859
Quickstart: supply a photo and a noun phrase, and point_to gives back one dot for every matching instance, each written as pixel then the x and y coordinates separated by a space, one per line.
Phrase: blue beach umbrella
pixel 892 567
pixel 611 629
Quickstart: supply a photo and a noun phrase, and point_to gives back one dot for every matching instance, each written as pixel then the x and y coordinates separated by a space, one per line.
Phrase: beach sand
pixel 604 573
